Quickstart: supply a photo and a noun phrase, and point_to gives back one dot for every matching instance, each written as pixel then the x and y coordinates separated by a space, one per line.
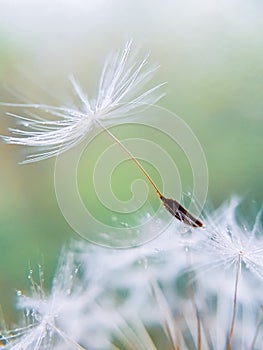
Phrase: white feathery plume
pixel 118 96
pixel 228 242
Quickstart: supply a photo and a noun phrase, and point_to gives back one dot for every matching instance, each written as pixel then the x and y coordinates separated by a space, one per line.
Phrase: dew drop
pixel 114 218
pixel 124 224
pixel 229 232
pixel 27 313
pixel 18 293
pixel 143 262
pixel 186 230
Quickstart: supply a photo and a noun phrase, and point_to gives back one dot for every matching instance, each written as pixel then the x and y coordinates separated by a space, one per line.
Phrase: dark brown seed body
pixel 178 211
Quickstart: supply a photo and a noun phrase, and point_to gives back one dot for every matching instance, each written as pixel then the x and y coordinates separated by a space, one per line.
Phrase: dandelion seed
pixel 117 98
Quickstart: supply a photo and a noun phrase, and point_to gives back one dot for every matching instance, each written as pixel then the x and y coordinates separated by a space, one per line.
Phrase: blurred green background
pixel 211 55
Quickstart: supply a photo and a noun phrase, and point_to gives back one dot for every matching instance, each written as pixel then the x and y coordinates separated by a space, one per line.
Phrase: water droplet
pixel 186 249
pixel 143 262
pixel 27 312
pixel 124 224
pixel 186 230
pixel 229 232
pixel 18 293
pixel 114 218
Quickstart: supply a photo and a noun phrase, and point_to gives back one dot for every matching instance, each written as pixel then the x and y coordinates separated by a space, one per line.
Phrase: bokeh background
pixel 210 53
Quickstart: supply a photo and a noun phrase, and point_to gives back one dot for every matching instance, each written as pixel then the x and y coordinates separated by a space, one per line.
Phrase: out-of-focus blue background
pixel 211 55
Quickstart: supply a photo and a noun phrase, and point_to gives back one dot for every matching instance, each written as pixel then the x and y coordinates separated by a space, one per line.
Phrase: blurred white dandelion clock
pixel 66 318
pixel 167 294
pixel 118 96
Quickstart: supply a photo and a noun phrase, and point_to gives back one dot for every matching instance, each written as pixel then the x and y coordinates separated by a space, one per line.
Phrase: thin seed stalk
pixel 171 205
pixel 193 300
pixel 231 332
pixel 257 328
pixel 199 337
pixel 168 320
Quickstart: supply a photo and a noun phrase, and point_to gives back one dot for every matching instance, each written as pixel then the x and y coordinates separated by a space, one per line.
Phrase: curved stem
pixel 171 205
pixel 131 157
